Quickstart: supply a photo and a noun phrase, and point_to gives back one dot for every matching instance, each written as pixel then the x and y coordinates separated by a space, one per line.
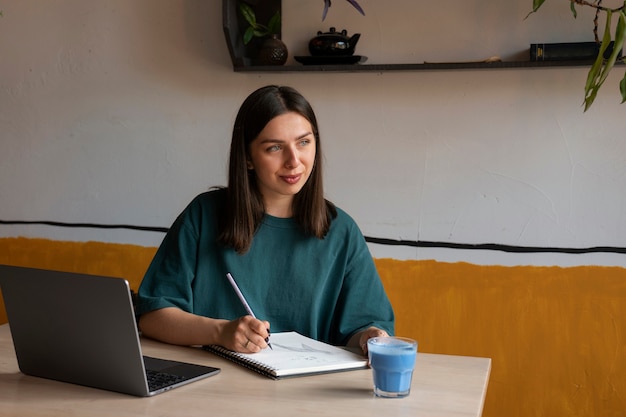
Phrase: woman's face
pixel 282 157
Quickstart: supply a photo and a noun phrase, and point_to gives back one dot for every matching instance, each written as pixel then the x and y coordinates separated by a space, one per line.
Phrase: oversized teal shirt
pixel 327 289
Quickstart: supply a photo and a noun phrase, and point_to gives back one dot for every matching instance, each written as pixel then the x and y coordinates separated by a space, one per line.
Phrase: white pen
pixel 244 302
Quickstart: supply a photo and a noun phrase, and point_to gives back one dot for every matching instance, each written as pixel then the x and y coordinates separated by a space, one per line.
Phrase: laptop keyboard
pixel 158 380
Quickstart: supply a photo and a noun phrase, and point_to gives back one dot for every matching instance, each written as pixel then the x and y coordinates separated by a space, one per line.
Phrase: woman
pixel 301 263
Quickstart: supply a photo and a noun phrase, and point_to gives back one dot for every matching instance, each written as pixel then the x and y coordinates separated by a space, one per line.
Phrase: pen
pixel 244 302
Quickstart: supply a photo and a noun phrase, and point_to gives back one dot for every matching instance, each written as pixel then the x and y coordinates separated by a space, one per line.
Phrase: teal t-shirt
pixel 327 289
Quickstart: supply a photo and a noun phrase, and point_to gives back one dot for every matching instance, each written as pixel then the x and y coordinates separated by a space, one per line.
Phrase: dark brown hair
pixel 244 208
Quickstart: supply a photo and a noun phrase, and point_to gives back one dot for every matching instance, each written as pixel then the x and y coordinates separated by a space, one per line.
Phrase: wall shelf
pixel 412 67
pixel 243 62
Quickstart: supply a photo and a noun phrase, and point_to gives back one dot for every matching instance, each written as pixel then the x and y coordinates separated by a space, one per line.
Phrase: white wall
pixel 119 112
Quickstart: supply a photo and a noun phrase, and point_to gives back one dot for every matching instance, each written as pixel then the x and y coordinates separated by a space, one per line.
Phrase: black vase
pixel 273 52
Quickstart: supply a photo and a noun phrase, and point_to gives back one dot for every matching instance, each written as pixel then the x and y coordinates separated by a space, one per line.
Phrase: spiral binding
pixel 244 361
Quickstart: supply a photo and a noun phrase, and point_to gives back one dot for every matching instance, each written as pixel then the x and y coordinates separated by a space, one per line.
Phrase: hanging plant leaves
pixel 601 68
pixel 602 65
pixel 537 4
pixel 354 3
pixel 592 85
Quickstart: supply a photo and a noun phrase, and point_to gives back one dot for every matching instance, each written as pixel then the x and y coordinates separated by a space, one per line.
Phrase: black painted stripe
pixel 375 240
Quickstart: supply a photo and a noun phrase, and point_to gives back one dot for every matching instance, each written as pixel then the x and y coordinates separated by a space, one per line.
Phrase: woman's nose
pixel 291 158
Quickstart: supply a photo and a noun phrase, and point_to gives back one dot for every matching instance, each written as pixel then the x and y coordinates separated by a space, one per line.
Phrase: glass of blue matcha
pixel 392 360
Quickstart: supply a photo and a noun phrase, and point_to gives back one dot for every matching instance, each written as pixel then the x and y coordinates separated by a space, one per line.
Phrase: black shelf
pixel 413 67
pixel 242 62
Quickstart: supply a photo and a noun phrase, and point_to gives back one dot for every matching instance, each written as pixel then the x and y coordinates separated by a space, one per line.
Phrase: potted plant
pixel 602 66
pixel 255 28
pixel 270 50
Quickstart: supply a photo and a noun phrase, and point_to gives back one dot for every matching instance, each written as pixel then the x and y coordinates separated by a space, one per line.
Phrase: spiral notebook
pixel 294 355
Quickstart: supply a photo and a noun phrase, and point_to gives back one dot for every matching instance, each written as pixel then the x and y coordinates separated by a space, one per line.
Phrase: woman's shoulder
pixel 345 232
pixel 207 202
pixel 342 219
pixel 212 197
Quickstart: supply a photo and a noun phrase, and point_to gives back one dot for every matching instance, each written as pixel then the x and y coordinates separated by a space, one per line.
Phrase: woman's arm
pixel 175 326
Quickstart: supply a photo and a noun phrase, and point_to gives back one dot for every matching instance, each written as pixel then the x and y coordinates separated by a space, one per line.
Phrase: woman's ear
pixel 249 164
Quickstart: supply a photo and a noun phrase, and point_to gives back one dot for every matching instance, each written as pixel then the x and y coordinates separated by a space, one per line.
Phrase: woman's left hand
pixel 360 339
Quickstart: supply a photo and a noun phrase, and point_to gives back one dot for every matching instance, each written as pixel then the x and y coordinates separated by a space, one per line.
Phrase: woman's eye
pixel 305 142
pixel 273 148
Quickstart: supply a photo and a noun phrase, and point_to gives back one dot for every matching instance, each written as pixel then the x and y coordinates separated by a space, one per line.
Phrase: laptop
pixel 81 329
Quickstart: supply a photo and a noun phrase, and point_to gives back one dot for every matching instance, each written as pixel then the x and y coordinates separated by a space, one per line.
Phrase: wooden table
pixel 442 385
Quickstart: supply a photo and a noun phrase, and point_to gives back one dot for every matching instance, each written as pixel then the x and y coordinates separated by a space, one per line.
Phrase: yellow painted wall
pixel 557 336
pixel 96 258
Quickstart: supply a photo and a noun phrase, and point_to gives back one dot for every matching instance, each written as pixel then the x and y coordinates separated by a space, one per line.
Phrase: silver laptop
pixel 81 329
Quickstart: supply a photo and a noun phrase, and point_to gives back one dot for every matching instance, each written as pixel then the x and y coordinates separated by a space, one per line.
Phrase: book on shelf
pixel 294 355
pixel 569 51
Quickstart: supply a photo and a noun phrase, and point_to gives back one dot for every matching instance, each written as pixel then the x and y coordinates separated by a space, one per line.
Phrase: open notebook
pixel 294 355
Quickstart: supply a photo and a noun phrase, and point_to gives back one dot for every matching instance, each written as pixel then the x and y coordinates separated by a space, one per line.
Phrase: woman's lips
pixel 291 179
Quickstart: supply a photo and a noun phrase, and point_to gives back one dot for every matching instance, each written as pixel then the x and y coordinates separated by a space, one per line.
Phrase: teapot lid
pixel 333 31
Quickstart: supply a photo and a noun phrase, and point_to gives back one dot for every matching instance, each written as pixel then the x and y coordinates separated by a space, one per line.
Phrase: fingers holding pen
pixel 262 329
pixel 245 334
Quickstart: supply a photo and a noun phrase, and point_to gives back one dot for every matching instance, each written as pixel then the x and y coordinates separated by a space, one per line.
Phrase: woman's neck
pixel 280 207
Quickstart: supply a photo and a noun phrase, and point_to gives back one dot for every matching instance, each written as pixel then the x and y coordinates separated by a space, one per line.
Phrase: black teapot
pixel 333 43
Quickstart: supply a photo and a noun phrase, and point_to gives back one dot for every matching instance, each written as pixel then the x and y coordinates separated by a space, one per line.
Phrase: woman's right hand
pixel 245 334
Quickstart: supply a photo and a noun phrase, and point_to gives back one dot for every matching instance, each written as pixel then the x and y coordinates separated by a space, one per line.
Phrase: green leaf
pixel 274 24
pixel 247 13
pixel 591 97
pixel 572 7
pixel 593 74
pixel 622 88
pixel 260 32
pixel 620 34
pixel 597 69
pixel 536 5
pixel 248 34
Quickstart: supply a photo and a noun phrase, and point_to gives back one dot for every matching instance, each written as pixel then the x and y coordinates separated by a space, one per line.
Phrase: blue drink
pixel 392 360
